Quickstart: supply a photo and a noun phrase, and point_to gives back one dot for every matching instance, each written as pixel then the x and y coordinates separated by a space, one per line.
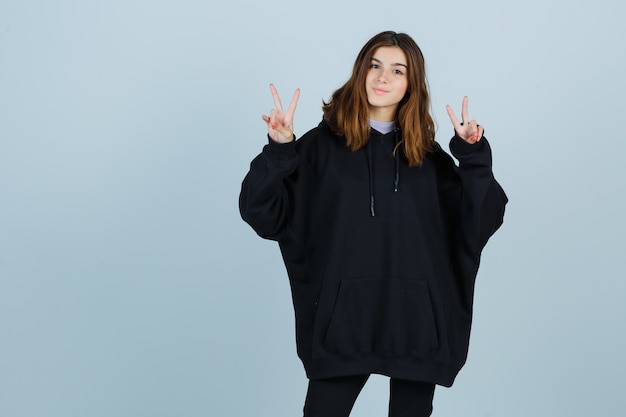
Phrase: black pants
pixel 335 397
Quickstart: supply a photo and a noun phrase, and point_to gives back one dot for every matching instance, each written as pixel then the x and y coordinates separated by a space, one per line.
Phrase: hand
pixel 469 131
pixel 279 122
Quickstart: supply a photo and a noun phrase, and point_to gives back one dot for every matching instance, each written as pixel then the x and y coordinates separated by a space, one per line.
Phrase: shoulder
pixel 444 166
pixel 318 137
pixel 440 158
pixel 319 147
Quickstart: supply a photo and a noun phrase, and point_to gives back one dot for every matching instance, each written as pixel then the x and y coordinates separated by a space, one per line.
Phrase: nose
pixel 383 77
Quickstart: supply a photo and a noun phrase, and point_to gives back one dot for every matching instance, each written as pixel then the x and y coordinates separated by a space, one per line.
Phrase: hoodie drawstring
pixel 396 180
pixel 370 169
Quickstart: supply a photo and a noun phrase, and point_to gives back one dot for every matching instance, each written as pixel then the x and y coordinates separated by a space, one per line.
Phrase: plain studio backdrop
pixel 129 285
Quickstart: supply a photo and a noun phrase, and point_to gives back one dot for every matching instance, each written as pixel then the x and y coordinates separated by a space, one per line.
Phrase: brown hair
pixel 348 109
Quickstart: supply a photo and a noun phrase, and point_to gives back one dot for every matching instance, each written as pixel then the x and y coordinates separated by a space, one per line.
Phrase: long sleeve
pixel 478 211
pixel 483 199
pixel 264 201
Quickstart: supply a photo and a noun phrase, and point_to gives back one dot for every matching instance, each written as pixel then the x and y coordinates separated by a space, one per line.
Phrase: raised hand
pixel 469 131
pixel 279 122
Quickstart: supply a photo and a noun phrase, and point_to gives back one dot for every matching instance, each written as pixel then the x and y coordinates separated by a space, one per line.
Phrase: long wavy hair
pixel 347 112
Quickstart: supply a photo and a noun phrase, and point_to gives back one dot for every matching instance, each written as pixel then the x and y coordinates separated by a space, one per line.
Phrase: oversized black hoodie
pixel 381 257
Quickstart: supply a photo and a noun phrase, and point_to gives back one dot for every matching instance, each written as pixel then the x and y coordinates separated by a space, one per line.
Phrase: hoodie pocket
pixel 384 316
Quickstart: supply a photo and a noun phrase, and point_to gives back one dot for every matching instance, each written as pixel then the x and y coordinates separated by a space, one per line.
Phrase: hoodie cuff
pixel 282 151
pixel 460 147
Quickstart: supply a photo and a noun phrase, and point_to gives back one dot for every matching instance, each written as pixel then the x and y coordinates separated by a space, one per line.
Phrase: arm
pixel 483 199
pixel 264 201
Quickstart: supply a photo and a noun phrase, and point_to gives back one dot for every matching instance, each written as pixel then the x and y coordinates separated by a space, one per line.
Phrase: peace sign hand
pixel 469 131
pixel 279 122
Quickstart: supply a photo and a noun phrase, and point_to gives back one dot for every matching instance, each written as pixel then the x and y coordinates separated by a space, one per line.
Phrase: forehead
pixel 390 55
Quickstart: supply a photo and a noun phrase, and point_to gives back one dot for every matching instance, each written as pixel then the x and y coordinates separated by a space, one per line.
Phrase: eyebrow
pixel 397 64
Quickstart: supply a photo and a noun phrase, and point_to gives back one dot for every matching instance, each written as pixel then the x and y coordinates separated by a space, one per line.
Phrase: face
pixel 386 82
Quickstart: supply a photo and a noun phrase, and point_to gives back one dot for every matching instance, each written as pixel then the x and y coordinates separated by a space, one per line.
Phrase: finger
pixel 464 110
pixel 480 133
pixel 294 102
pixel 272 119
pixel 473 130
pixel 453 119
pixel 270 131
pixel 286 133
pixel 277 102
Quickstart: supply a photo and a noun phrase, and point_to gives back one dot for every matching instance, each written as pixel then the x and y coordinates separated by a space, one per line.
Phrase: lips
pixel 380 91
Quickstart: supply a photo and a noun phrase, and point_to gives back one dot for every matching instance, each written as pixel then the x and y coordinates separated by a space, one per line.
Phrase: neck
pixel 382 114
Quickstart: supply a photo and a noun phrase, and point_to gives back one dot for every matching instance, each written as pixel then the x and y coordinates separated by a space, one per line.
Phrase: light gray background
pixel 129 286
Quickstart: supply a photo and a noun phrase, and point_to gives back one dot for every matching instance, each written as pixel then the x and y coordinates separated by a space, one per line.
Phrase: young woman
pixel 380 230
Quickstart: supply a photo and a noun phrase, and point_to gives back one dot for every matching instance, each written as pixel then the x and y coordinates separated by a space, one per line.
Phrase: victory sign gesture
pixel 468 130
pixel 279 122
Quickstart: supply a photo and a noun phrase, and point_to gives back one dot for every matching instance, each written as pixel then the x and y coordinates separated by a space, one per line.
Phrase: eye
pixel 374 66
pixel 398 72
